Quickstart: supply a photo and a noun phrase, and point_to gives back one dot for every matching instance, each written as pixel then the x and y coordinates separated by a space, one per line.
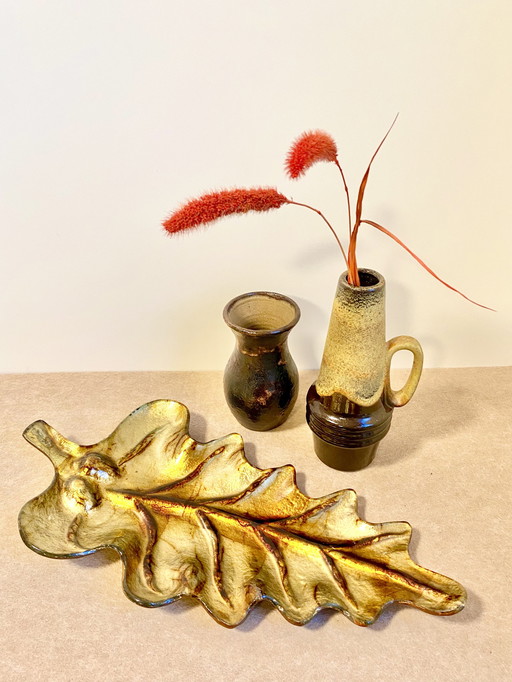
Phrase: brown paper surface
pixel 445 467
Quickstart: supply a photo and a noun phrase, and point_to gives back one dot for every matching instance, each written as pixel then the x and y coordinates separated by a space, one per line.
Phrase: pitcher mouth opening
pixel 260 313
pixel 369 279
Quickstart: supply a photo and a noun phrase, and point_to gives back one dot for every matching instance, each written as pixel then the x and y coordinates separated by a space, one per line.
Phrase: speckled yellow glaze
pixel 356 357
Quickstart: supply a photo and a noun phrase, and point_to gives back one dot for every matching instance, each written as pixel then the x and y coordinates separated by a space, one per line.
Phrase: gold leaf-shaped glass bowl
pixel 198 520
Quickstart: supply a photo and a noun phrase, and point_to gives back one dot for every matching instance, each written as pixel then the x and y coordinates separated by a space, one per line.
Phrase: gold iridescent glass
pixel 198 520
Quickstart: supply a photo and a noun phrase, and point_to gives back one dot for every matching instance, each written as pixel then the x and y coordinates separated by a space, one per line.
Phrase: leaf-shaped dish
pixel 197 519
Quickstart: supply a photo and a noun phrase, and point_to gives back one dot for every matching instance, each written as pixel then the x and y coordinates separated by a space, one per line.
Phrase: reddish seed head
pixel 307 150
pixel 216 205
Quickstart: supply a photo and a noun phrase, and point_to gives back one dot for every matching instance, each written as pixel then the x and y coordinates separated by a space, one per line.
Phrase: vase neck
pixel 263 343
pixel 354 359
pixel 261 319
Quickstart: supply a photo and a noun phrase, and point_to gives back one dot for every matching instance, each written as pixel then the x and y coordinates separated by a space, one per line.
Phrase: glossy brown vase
pixel 350 405
pixel 261 379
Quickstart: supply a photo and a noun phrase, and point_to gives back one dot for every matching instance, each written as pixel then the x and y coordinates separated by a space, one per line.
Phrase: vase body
pixel 261 378
pixel 350 406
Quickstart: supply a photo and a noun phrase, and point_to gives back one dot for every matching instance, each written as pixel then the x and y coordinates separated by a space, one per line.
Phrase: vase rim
pixel 269 295
pixel 370 287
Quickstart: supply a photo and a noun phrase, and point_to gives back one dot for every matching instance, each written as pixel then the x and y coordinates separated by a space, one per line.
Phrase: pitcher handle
pixel 404 394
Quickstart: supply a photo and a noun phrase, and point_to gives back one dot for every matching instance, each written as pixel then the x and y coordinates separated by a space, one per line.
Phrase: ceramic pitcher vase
pixel 350 405
pixel 261 379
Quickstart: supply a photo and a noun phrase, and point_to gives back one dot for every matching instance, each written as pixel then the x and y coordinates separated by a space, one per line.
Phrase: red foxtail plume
pixel 308 149
pixel 215 205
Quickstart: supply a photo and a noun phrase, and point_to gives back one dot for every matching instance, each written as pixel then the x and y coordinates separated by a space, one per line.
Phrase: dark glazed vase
pixel 350 405
pixel 261 379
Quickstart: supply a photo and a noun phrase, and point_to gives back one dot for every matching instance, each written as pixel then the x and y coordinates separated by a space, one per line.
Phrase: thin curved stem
pixel 353 273
pixel 431 272
pixel 311 208
pixel 348 197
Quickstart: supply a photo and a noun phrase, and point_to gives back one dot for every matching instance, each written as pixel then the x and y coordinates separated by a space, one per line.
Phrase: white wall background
pixel 114 112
